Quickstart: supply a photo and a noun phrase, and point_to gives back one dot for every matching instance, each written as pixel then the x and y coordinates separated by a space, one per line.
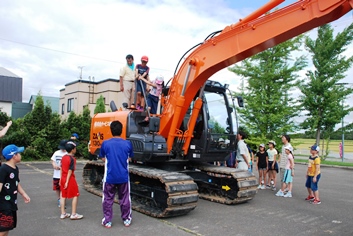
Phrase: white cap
pixel 273 142
pixel 159 79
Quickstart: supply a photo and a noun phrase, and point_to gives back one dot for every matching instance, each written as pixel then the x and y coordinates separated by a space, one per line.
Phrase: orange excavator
pixel 170 169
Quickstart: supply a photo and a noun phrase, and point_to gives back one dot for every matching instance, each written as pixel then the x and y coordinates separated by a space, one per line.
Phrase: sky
pixel 48 42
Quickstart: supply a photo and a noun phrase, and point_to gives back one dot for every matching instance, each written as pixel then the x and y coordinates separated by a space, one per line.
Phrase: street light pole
pixel 343 120
pixel 342 132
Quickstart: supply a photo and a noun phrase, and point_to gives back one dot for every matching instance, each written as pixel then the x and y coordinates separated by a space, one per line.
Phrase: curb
pixel 324 165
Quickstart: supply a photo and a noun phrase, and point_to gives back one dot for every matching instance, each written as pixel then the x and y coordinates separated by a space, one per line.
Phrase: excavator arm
pixel 255 33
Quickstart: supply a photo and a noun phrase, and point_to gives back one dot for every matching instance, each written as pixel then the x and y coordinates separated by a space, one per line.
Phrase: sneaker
pixel 273 188
pixel 106 225
pixel 59 202
pixel 309 198
pixel 64 216
pixel 127 223
pixel 76 217
pixel 259 187
pixel 268 186
pixel 279 193
pixel 286 190
pixel 263 187
pixel 316 202
pixel 272 182
pixel 288 194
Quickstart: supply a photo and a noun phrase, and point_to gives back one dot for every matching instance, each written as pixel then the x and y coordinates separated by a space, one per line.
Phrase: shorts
pixel 310 184
pixel 8 220
pixel 72 189
pixel 139 88
pixel 287 178
pixel 56 185
pixel 275 166
pixel 281 172
pixel 262 168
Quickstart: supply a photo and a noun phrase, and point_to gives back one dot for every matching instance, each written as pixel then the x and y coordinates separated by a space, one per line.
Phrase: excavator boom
pixel 256 33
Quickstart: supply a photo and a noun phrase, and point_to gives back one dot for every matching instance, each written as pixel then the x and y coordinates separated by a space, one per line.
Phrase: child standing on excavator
pixel 141 74
pixel 153 96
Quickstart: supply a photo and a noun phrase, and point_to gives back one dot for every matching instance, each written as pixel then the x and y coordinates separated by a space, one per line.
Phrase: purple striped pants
pixel 109 191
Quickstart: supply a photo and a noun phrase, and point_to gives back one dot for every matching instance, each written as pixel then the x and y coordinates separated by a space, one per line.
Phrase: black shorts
pixel 275 166
pixel 8 220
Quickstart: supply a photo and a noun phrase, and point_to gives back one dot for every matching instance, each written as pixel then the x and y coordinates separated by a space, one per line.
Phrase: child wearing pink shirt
pixel 288 174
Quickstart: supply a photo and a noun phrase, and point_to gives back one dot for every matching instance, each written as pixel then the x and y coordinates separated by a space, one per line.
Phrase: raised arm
pixel 5 129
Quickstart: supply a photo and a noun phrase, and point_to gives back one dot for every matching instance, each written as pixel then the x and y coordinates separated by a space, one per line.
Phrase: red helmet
pixel 144 58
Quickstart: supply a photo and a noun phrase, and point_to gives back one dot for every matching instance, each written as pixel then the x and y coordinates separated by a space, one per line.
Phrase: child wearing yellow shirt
pixel 313 176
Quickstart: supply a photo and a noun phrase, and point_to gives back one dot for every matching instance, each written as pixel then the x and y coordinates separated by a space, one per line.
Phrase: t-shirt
pixel 242 150
pixel 142 69
pixel 313 161
pixel 127 73
pixel 9 177
pixel 283 161
pixel 67 163
pixel 117 152
pixel 271 154
pixel 261 159
pixel 289 158
pixel 156 91
pixel 57 156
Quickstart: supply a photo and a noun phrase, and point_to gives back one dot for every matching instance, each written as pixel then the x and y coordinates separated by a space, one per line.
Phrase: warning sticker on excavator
pixel 226 187
pixel 102 123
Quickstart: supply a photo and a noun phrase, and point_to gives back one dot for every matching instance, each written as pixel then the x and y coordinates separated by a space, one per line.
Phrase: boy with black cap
pixel 56 162
pixel 313 176
pixel 9 187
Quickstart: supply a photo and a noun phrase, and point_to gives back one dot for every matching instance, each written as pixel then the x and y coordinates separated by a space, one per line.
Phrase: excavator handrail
pixel 252 35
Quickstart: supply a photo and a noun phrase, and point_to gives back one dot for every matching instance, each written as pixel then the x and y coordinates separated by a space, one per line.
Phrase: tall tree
pixel 100 106
pixel 38 118
pixel 271 75
pixel 323 95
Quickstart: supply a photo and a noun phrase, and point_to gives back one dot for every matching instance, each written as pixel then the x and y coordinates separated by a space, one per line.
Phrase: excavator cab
pixel 215 129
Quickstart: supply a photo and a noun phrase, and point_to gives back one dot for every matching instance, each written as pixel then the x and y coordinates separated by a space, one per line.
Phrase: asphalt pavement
pixel 266 214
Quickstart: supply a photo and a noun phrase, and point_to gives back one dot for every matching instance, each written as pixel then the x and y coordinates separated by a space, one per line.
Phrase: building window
pixel 70 104
pixel 62 109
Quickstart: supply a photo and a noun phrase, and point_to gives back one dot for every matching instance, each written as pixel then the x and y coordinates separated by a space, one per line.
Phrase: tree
pixel 100 106
pixel 322 94
pixel 271 75
pixel 38 118
pixel 78 124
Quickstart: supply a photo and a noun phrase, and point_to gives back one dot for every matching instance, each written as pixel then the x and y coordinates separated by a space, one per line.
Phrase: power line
pixel 59 51
pixel 70 53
